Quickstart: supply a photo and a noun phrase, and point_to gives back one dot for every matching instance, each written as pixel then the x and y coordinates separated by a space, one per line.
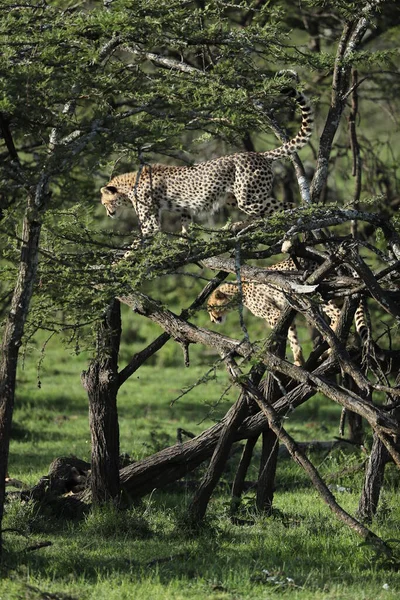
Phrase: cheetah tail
pixel 304 134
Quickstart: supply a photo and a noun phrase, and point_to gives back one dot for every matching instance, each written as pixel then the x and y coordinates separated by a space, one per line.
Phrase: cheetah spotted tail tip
pixel 307 122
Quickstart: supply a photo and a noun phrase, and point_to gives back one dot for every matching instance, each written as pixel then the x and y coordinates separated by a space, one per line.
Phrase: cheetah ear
pixel 109 189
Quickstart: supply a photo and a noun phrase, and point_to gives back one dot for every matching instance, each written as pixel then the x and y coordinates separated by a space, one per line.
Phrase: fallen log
pixel 170 464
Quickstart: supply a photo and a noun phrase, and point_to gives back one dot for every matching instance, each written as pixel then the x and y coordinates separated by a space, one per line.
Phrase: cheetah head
pixel 113 200
pixel 218 305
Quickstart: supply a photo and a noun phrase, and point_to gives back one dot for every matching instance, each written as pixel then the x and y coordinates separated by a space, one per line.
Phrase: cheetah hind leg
pixel 333 313
pixel 237 226
pixel 272 318
pixel 265 208
pixel 295 346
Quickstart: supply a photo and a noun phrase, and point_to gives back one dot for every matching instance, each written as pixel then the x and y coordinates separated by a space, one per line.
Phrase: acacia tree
pixel 123 83
pixel 77 90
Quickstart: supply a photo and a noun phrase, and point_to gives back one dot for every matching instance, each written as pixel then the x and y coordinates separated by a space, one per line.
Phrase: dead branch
pixel 275 424
pixel 179 328
pixel 38 546
pixel 373 286
pixel 352 35
pixel 158 343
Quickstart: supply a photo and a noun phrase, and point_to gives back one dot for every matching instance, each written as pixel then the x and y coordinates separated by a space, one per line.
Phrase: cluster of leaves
pixel 87 90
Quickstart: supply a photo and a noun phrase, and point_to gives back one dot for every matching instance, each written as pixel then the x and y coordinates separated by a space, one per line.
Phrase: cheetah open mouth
pixel 111 213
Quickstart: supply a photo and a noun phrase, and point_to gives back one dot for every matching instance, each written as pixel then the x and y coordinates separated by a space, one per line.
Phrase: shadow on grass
pixel 307 549
pixel 54 400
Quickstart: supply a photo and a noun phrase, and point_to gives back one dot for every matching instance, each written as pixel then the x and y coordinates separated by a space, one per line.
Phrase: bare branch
pixel 275 423
pixel 163 61
pixel 143 355
pixel 350 41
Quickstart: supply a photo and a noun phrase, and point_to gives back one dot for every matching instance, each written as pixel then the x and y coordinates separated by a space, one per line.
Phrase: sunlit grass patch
pixel 301 552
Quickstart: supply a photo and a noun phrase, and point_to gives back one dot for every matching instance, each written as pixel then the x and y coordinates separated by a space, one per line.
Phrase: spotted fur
pixel 243 180
pixel 266 301
pixel 262 300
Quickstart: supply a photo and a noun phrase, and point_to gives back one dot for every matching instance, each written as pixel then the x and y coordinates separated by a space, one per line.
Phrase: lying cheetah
pixel 266 301
pixel 243 180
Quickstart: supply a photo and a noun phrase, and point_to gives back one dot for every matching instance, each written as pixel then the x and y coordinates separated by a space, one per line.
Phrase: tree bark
pixel 101 383
pixel 139 358
pixel 356 430
pixel 373 481
pixel 241 472
pixel 12 338
pixel 200 500
pixel 266 476
pixel 270 445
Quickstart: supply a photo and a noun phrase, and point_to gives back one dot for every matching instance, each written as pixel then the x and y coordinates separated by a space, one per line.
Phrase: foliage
pixel 106 87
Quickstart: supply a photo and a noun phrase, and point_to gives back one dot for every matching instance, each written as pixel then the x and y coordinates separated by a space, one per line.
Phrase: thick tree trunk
pixel 373 481
pixel 240 477
pixel 356 430
pixel 12 338
pixel 101 384
pixel 231 424
pixel 270 445
pixel 354 421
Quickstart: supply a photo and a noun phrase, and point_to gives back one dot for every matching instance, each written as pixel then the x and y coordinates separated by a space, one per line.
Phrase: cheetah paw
pixel 236 227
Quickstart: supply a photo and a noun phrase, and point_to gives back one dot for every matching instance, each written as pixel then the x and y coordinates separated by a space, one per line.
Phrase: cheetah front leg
pixel 333 313
pixel 149 225
pixel 148 213
pixel 272 318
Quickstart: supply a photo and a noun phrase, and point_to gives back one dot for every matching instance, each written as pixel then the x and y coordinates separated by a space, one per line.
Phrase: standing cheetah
pixel 243 180
pixel 267 301
pixel 262 300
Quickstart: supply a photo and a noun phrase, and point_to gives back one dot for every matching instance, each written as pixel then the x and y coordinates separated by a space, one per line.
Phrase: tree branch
pixel 152 348
pixel 298 456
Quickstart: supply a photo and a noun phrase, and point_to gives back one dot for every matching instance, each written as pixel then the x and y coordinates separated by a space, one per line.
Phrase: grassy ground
pixel 301 552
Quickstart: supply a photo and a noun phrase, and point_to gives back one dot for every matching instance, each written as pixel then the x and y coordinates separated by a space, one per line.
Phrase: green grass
pixel 114 556
pixel 301 552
